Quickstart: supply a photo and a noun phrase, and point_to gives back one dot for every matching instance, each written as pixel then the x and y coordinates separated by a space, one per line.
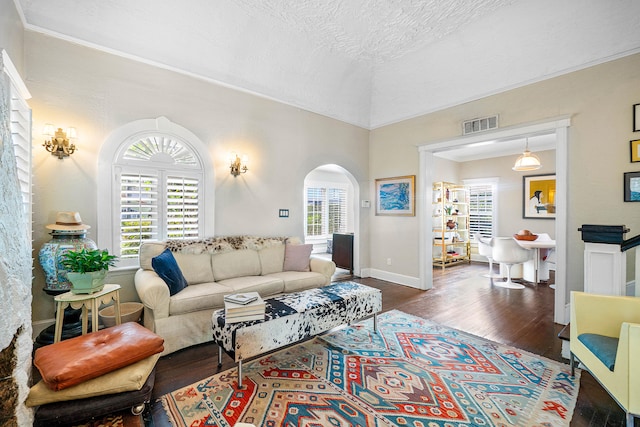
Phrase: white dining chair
pixel 507 251
pixel 485 249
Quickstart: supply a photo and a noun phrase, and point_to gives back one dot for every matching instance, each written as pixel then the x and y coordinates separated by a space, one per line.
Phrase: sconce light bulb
pixel 72 133
pixel 48 130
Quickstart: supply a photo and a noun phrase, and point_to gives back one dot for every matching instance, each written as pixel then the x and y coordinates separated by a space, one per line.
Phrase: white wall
pixel 97 93
pixel 599 101
pixel 11 33
pixel 390 236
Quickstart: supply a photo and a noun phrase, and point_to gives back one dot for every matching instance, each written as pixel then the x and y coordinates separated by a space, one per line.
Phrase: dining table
pixel 537 246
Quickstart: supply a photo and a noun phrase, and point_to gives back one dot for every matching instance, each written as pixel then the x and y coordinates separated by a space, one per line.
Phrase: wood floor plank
pixel 460 298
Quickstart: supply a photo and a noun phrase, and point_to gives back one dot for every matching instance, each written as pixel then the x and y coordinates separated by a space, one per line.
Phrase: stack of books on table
pixel 243 307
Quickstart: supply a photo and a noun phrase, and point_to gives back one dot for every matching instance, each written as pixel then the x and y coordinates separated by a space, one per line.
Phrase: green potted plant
pixel 87 269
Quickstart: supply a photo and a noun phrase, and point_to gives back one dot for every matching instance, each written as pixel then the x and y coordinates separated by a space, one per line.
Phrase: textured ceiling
pixel 372 31
pixel 365 62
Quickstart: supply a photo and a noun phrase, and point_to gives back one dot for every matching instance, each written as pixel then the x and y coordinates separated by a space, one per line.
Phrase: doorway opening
pixel 331 196
pixel 558 128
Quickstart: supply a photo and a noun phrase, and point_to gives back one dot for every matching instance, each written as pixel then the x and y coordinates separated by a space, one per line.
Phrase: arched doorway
pixel 331 196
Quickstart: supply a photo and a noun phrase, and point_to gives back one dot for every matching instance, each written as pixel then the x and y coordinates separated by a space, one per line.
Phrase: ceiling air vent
pixel 479 125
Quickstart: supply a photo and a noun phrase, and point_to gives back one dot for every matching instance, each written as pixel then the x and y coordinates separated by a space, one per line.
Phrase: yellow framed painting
pixel 539 196
pixel 635 150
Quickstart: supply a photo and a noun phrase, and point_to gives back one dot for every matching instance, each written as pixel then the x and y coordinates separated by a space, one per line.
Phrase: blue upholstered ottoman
pixel 290 318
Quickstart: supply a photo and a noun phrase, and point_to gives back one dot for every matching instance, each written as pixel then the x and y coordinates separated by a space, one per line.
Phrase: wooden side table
pixel 86 302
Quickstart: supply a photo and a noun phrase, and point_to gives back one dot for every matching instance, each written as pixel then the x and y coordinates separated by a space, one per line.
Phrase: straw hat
pixel 68 221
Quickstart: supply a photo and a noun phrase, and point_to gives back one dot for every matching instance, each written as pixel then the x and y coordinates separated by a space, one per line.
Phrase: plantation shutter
pixel 182 208
pixel 337 210
pixel 326 211
pixel 21 138
pixel 138 212
pixel 481 206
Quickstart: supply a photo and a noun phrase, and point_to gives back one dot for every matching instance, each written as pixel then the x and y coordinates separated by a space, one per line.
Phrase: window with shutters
pixel 20 126
pixel 160 194
pixel 482 205
pixel 21 138
pixel 326 210
pixel 337 210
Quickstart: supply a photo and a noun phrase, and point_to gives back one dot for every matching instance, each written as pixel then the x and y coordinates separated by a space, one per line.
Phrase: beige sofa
pixel 213 268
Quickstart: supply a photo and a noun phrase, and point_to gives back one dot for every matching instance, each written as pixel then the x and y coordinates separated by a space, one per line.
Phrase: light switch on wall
pixel 283 213
pixel 366 204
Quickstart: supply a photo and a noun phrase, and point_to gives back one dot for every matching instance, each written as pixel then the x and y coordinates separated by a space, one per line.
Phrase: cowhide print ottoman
pixel 293 317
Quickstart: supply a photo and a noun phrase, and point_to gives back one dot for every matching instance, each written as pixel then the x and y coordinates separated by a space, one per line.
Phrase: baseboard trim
pixel 401 279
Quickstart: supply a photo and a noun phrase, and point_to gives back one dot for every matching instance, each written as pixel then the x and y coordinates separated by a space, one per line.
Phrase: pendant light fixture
pixel 527 161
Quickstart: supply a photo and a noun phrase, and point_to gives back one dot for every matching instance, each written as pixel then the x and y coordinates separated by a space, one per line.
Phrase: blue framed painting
pixel 396 196
pixel 632 187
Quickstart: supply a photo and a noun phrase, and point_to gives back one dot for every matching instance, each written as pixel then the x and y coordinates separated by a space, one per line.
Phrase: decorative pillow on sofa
pixel 296 257
pixel 166 267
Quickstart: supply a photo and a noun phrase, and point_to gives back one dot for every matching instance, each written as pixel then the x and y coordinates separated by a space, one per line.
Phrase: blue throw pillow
pixel 166 267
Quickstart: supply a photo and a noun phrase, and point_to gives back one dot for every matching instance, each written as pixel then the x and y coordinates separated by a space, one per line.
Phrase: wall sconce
pixel 60 143
pixel 237 165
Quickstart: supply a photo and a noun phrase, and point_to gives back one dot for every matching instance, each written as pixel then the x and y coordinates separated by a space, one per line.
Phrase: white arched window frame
pixel 158 176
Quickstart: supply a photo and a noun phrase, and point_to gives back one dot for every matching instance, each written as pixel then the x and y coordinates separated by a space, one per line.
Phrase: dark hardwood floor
pixel 461 299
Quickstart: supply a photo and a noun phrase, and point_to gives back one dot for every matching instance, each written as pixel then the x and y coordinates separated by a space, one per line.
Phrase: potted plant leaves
pixel 87 269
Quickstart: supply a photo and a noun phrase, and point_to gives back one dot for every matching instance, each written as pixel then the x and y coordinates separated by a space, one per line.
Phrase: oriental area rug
pixel 413 372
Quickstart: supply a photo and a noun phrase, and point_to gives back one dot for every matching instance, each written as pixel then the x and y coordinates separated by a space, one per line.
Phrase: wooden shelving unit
pixel 451 237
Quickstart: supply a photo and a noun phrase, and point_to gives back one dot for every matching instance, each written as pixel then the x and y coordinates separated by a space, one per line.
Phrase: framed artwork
pixel 396 196
pixel 635 150
pixel 632 187
pixel 636 118
pixel 539 196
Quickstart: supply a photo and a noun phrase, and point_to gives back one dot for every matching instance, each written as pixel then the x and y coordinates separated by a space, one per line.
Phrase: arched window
pixel 158 191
